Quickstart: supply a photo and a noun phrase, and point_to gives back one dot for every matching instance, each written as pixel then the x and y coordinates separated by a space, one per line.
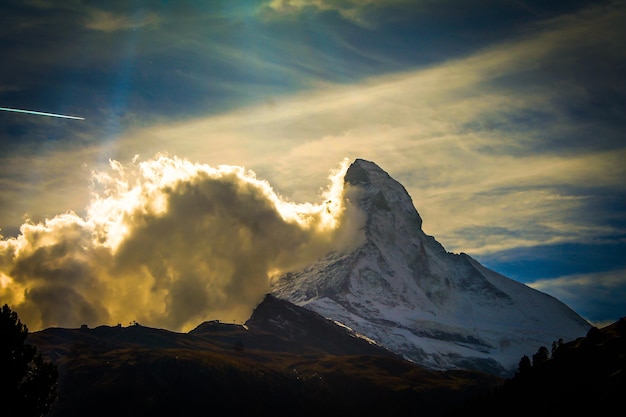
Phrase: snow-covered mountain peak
pixel 402 289
pixel 382 196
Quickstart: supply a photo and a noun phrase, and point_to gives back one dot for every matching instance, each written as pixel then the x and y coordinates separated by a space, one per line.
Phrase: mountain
pixel 309 329
pixel 403 290
pixel 284 361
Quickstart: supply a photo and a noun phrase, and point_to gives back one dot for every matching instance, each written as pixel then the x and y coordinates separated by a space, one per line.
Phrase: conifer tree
pixel 542 355
pixel 28 384
pixel 524 365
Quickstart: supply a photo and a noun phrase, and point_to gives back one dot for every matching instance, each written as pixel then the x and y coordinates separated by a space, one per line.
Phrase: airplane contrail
pixel 40 113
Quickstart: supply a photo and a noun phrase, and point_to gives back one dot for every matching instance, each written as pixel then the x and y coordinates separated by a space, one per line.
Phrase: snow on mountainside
pixel 402 289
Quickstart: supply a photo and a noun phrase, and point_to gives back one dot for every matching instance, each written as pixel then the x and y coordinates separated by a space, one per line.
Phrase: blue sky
pixel 503 119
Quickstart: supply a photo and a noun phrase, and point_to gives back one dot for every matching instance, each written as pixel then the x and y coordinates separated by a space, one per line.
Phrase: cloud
pixel 347 9
pixel 497 139
pixel 104 21
pixel 487 142
pixel 500 138
pixel 356 11
pixel 169 243
pixel 604 293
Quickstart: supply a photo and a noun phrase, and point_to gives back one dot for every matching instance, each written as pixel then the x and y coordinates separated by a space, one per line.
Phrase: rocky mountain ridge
pixel 403 290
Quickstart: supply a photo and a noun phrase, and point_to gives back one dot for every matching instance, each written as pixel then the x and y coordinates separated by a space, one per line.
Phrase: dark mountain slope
pixel 284 319
pixel 586 376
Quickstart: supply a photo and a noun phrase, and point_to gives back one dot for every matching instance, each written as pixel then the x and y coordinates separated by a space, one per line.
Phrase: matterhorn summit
pixel 401 289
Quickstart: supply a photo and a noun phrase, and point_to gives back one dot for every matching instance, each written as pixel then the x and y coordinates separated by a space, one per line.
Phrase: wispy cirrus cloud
pixel 605 293
pixel 352 10
pixel 105 21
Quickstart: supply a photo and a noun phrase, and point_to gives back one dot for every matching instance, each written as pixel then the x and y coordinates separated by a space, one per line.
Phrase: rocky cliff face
pixel 402 289
pixel 305 327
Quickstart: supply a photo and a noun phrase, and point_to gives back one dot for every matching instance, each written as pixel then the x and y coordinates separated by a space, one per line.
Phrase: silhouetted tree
pixel 524 365
pixel 555 347
pixel 541 356
pixel 28 384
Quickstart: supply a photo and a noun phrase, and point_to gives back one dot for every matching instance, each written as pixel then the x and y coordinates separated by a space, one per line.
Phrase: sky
pixel 209 140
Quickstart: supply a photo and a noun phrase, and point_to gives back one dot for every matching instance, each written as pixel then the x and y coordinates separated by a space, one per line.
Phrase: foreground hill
pixel 288 361
pixel 586 376
pixel 266 366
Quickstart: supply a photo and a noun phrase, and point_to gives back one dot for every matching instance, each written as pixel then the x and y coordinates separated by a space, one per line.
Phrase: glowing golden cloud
pixel 168 242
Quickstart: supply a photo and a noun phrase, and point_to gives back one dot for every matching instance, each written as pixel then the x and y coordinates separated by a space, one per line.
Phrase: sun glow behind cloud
pixel 170 243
